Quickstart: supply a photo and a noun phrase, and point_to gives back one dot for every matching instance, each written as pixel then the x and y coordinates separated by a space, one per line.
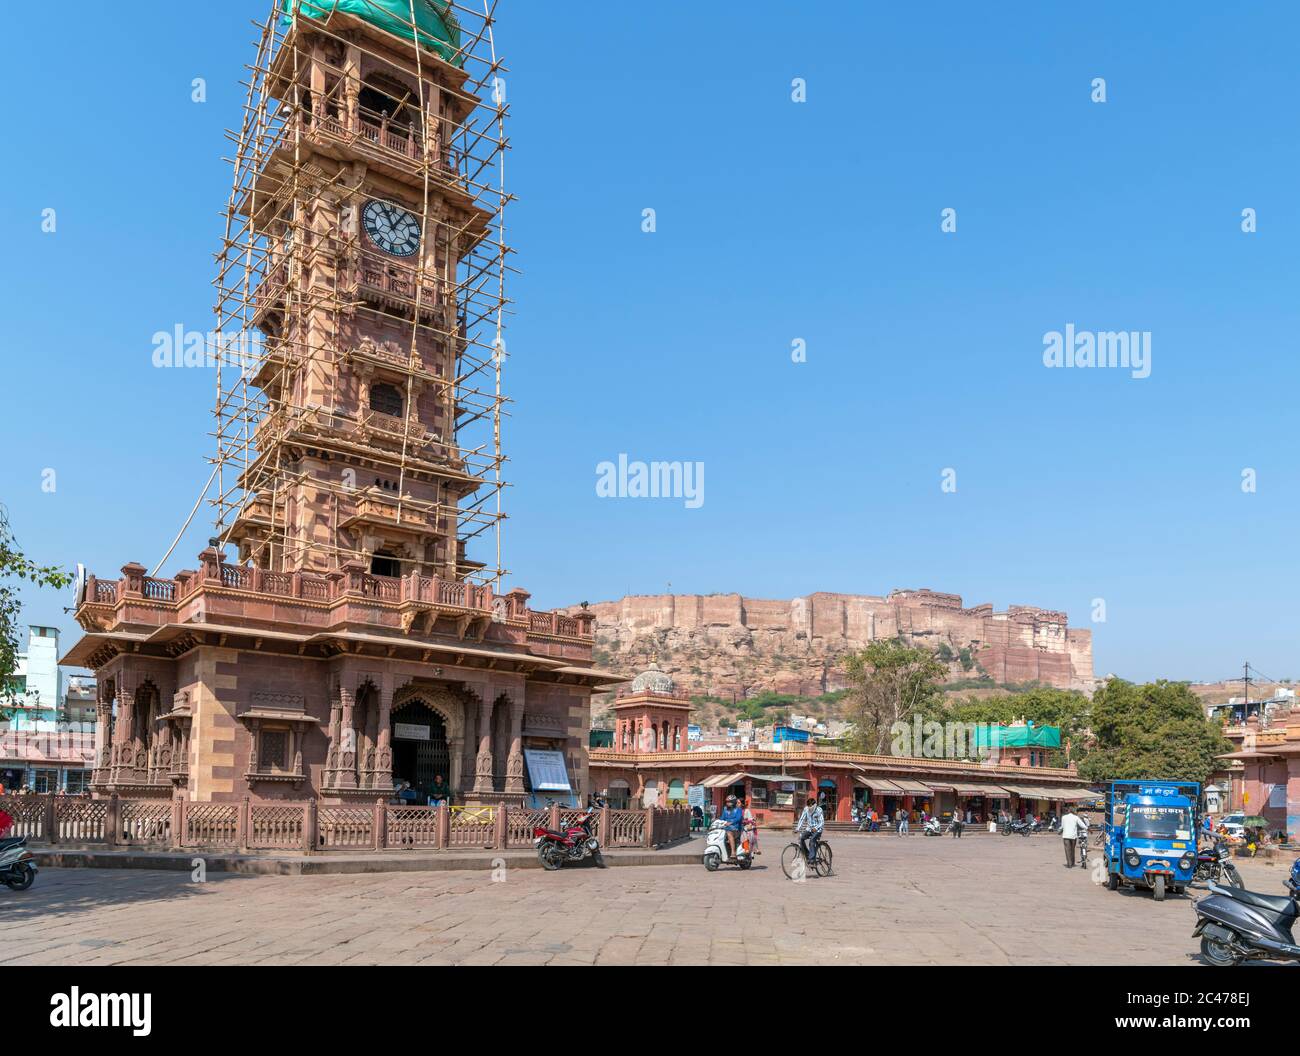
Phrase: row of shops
pixel 841 783
pixel 646 766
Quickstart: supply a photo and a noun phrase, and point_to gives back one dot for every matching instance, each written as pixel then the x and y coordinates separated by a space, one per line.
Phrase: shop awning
pixel 1075 794
pixel 913 788
pixel 721 780
pixel 1024 791
pixel 1037 792
pixel 940 786
pixel 993 791
pixel 878 785
pixel 776 779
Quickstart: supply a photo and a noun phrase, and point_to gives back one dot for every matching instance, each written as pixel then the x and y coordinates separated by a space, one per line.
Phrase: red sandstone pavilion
pixel 355 639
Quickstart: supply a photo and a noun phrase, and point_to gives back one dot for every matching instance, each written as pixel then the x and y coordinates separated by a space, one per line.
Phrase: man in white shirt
pixel 1072 827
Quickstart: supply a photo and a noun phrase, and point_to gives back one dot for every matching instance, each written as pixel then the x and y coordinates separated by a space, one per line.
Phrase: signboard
pixel 695 795
pixel 406 731
pixel 1276 795
pixel 546 770
pixel 693 732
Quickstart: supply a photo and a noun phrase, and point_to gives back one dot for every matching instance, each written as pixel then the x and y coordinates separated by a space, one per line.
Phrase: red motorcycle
pixel 574 844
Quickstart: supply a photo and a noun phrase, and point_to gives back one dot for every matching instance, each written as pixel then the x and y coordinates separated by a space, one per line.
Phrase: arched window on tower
pixel 386 400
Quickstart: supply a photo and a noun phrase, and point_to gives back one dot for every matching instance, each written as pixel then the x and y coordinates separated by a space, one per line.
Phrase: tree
pixel 15 567
pixel 1155 730
pixel 890 682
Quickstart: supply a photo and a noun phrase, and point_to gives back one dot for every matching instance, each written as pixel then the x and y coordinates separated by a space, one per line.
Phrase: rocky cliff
pixel 722 644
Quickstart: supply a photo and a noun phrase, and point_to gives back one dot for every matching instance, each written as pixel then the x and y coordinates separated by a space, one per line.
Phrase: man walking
pixel 1072 827
pixel 902 823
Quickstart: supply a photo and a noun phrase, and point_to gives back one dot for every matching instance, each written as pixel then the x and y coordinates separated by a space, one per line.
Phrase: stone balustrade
pixel 219 588
pixel 308 826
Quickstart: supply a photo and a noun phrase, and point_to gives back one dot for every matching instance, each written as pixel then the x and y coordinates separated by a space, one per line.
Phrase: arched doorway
pixel 420 751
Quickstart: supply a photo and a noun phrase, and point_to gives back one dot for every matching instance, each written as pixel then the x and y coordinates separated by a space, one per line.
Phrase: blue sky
pixel 776 221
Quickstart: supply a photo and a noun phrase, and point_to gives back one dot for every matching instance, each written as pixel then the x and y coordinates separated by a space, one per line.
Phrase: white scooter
pixel 715 848
pixel 17 864
pixel 932 827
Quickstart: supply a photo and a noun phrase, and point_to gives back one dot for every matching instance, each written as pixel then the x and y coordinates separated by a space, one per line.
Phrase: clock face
pixel 392 228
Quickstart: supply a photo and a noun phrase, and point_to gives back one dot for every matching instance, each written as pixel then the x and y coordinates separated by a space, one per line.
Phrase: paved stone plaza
pixel 983 900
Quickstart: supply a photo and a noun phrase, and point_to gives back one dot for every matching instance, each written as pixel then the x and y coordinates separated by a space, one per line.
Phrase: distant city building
pixel 1238 709
pixel 47 731
pixel 1262 776
pixel 35 692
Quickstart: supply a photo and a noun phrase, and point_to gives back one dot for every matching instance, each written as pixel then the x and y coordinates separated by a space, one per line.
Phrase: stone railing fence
pixel 352 582
pixel 308 826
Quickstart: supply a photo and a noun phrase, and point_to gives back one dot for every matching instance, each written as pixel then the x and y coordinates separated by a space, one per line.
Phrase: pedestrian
pixel 1072 827
pixel 749 828
pixel 956 825
pixel 902 823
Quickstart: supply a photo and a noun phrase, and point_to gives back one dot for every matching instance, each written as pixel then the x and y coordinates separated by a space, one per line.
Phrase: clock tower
pixel 346 637
pixel 365 255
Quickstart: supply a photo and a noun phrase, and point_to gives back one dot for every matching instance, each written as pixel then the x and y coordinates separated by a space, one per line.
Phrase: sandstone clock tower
pixel 348 628
pixel 377 272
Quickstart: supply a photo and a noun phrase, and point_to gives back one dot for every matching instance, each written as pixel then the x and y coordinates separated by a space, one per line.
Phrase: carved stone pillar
pixel 347 756
pixel 368 758
pixel 456 750
pixel 122 756
pixel 483 761
pixel 332 764
pixel 103 734
pixel 515 762
pixel 383 773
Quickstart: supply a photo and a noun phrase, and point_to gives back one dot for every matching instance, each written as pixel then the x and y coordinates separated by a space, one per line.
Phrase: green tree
pixel 14 568
pixel 890 682
pixel 1155 730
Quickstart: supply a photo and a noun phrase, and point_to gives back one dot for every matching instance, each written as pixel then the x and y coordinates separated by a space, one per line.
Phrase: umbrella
pixel 1255 821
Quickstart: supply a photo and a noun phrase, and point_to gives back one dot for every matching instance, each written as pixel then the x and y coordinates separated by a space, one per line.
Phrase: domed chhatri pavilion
pixel 651 717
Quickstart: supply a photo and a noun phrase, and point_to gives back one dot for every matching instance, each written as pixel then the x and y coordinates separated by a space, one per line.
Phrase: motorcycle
pixel 1024 827
pixel 932 827
pixel 17 863
pixel 1234 924
pixel 574 844
pixel 715 848
pixel 1213 864
pixel 1083 849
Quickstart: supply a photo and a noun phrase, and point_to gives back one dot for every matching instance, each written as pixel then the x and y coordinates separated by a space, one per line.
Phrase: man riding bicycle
pixel 809 828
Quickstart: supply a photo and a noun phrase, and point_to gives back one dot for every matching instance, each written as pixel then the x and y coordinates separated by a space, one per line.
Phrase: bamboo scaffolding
pixel 272 256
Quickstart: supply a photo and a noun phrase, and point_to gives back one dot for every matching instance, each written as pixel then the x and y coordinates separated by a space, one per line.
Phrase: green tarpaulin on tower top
pixel 1017 736
pixel 434 21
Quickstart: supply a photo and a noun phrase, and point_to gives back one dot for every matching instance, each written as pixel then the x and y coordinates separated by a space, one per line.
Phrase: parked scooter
pixel 715 848
pixel 1235 924
pixel 932 827
pixel 17 863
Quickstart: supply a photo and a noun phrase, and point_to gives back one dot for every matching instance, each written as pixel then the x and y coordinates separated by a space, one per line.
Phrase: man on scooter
pixel 809 828
pixel 733 816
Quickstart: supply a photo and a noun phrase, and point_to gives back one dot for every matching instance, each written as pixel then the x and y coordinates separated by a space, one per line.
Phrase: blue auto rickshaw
pixel 1151 837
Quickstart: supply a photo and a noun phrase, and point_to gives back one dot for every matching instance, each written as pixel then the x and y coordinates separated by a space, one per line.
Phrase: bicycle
pixel 794 852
